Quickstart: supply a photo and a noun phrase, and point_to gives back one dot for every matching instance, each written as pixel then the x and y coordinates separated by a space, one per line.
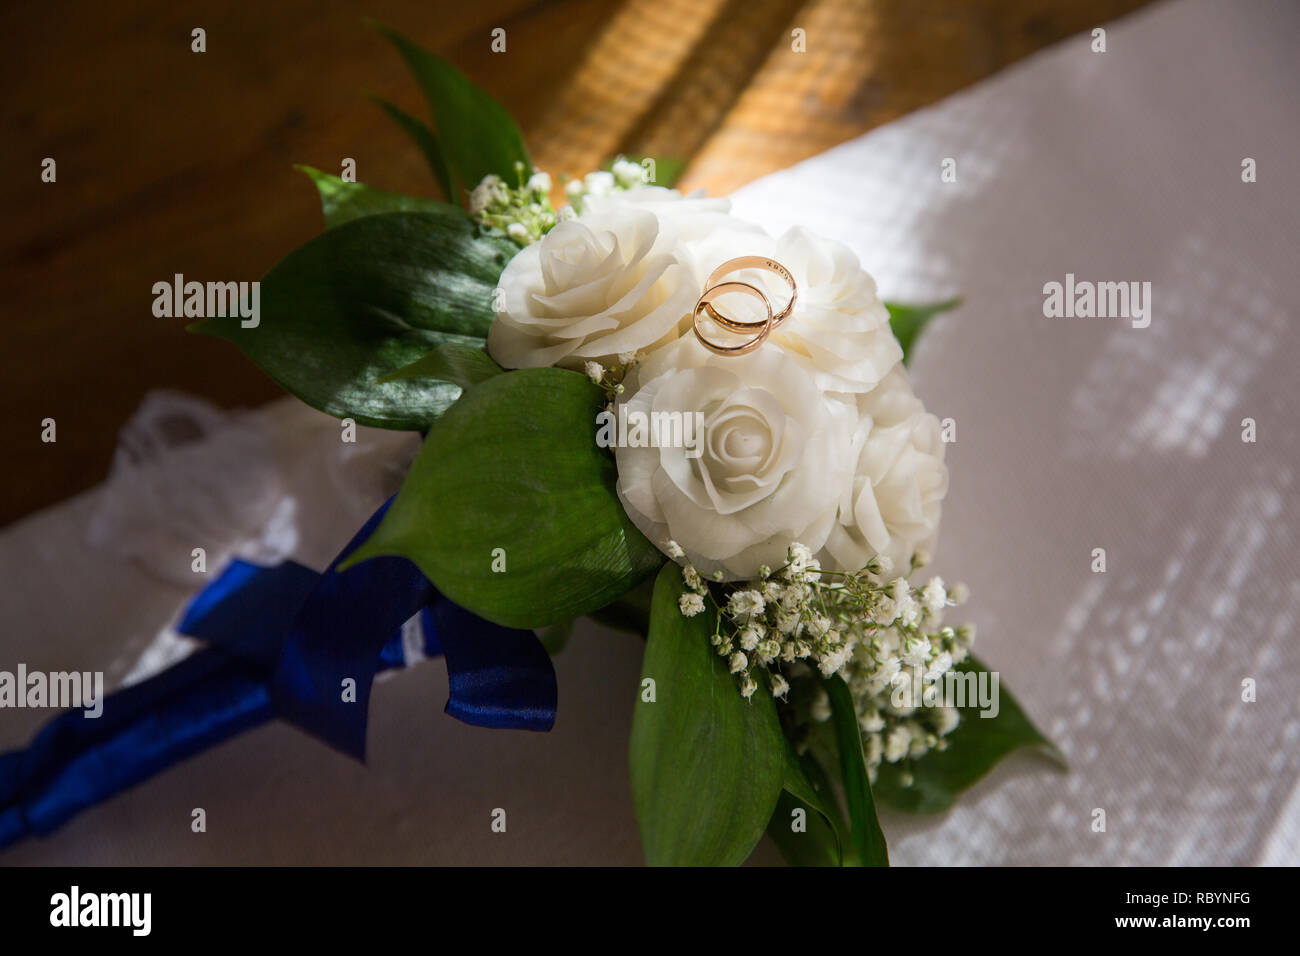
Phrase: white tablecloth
pixel 1072 434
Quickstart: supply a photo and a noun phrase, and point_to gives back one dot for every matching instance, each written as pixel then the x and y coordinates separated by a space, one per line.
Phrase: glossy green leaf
pixel 343 201
pixel 427 141
pixel 974 748
pixel 631 612
pixel 825 837
pixel 868 839
pixel 462 365
pixel 706 764
pixel 907 321
pixel 365 299
pixel 511 477
pixel 475 134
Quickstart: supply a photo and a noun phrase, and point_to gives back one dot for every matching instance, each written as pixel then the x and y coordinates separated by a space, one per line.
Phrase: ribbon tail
pixel 334 647
pixel 76 762
pixel 498 676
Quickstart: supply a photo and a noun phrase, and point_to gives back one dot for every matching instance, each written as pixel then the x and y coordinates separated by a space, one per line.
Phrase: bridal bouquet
pixel 640 408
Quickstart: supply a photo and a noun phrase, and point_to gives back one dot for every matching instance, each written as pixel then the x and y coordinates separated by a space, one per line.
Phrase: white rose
pixel 613 280
pixel 775 459
pixel 693 217
pixel 893 505
pixel 839 329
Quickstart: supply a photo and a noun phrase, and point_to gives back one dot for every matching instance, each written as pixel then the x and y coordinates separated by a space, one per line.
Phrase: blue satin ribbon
pixel 285 642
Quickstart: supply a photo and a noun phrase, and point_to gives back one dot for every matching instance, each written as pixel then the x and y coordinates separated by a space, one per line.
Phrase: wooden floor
pixel 169 161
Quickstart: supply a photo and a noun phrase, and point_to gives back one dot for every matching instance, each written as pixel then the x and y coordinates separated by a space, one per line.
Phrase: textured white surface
pixel 1073 434
pixel 1082 433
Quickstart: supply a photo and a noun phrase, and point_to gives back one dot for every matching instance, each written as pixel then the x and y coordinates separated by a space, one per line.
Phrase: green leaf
pixel 806 788
pixel 343 201
pixel 556 637
pixel 631 612
pixel 365 299
pixel 512 473
pixel 907 321
pixel 974 748
pixel 476 135
pixel 868 839
pixel 707 765
pixel 428 143
pixel 461 365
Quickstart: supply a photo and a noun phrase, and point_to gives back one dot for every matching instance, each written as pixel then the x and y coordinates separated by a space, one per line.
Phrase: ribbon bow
pixel 285 642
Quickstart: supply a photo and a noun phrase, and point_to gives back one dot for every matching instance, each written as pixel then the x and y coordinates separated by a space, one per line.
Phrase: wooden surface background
pixel 171 161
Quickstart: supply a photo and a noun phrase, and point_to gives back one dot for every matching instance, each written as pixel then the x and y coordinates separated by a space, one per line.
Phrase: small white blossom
pixel 628 173
pixel 780 686
pixel 747 687
pixel 941 664
pixel 691 604
pixel 738 662
pixel 750 636
pixel 820 708
pixel 934 596
pixel 692 577
pixel 599 183
pixel 959 594
pixel 540 182
pixel 672 547
pixel 897 743
pixel 595 371
pixel 746 603
pixel 916 651
pixel 946 720
pixel 490 191
pixel 799 558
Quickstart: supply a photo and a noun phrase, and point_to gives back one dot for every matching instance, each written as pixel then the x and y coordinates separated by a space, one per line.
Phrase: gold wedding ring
pixel 721 288
pixel 714 287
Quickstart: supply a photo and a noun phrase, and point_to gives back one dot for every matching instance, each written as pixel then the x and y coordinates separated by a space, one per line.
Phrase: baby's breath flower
pixel 672 547
pixel 780 686
pixel 523 212
pixel 738 662
pixel 820 709
pixel 746 604
pixel 747 687
pixel 691 604
pixel 916 651
pixel 897 743
pixel 750 635
pixel 959 594
pixel 798 558
pixel 595 371
pixel 934 596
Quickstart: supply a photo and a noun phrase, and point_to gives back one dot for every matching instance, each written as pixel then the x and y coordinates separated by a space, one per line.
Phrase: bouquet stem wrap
pixel 285 640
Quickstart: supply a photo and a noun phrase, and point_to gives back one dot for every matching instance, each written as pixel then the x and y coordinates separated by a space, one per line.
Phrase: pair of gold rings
pixel 714 287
